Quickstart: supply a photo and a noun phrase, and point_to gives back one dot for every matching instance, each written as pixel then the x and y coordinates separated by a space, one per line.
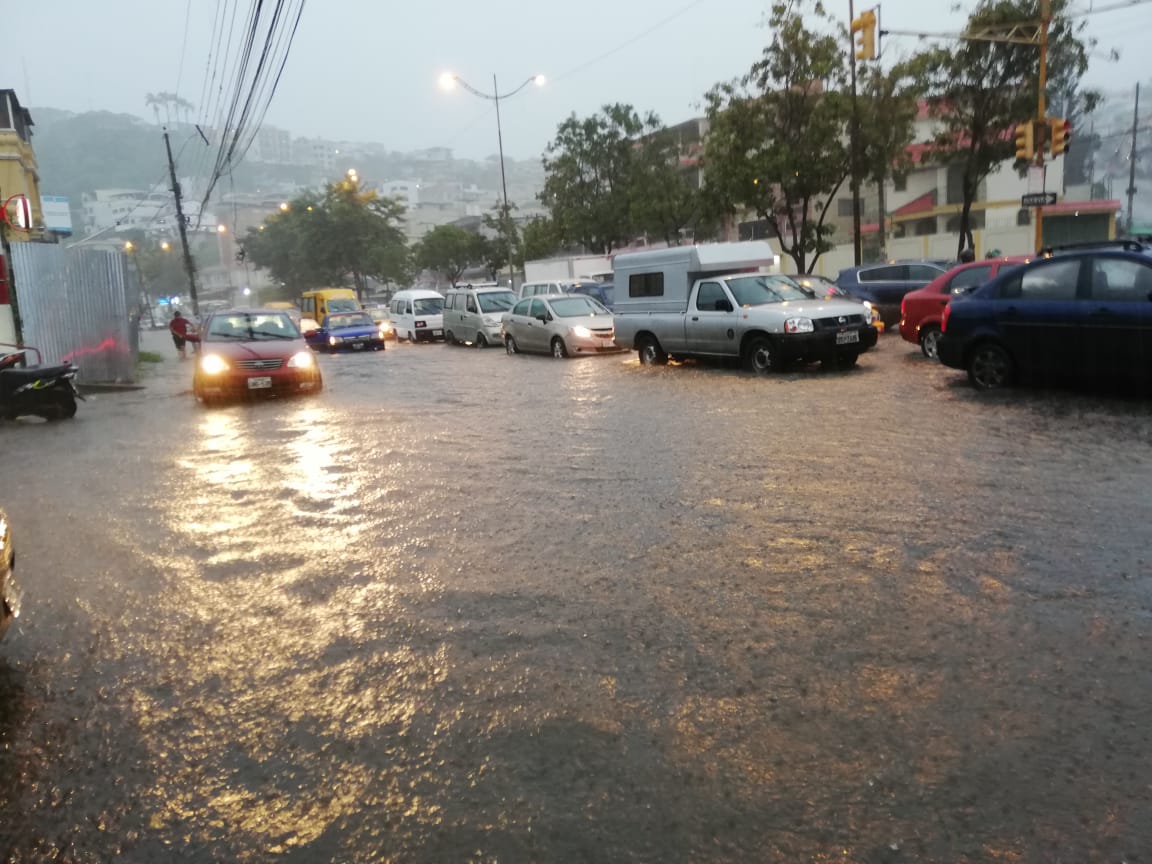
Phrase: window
pixel 710 294
pixel 1051 280
pixel 844 208
pixel 1118 279
pixel 966 280
pixel 646 285
pixel 521 308
pixel 900 182
pixel 1023 216
pixel 308 307
pixel 538 308
pixel 921 272
pixel 890 273
pixel 470 304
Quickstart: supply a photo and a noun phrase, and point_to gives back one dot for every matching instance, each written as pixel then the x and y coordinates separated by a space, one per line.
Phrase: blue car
pixel 1079 312
pixel 884 285
pixel 605 292
pixel 347 331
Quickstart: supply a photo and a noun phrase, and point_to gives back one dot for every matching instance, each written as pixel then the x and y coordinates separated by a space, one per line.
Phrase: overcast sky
pixel 368 70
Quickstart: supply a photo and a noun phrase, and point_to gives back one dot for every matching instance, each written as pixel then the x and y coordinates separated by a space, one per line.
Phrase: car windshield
pixel 428 306
pixel 343 304
pixel 577 307
pixel 497 301
pixel 758 290
pixel 820 286
pixel 351 319
pixel 251 326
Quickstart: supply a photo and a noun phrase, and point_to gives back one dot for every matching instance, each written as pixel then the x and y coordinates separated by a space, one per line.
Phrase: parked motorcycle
pixel 44 391
pixel 9 592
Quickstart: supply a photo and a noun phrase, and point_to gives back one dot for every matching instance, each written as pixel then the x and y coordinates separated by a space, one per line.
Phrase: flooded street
pixel 466 607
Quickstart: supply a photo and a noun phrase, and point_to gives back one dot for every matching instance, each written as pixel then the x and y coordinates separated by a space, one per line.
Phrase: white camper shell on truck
pixel 730 300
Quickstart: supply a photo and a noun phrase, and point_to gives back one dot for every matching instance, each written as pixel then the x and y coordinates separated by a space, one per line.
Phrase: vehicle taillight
pixel 944 319
pixel 903 306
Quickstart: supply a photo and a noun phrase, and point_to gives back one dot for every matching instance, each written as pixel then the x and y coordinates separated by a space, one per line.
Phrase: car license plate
pixel 356 346
pixel 437 332
pixel 847 336
pixel 264 382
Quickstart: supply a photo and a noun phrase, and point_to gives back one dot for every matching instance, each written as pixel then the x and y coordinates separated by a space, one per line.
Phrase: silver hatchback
pixel 562 325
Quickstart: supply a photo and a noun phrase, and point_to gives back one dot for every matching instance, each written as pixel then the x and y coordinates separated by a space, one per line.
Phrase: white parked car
pixel 562 325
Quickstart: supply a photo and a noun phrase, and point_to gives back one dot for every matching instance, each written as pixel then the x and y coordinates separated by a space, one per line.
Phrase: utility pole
pixel 1132 161
pixel 854 144
pixel 1040 128
pixel 189 264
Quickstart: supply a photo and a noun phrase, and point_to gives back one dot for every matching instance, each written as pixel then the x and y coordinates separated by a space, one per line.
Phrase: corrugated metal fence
pixel 74 305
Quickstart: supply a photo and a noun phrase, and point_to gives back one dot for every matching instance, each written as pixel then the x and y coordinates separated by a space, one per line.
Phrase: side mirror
pixel 543 319
pixel 723 305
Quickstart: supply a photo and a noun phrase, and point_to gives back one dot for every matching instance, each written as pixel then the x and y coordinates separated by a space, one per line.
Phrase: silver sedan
pixel 562 325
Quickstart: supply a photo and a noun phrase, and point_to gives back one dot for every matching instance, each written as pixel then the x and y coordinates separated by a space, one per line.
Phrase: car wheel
pixel 651 354
pixel 847 359
pixel 989 367
pixel 930 343
pixel 481 341
pixel 559 349
pixel 510 345
pixel 760 356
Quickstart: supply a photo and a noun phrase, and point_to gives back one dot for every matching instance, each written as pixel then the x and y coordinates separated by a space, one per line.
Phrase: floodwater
pixel 465 607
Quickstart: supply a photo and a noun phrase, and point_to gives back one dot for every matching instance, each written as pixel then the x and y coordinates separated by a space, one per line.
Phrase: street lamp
pixel 449 81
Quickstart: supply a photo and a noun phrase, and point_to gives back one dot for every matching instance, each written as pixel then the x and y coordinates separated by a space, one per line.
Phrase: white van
pixel 472 313
pixel 417 315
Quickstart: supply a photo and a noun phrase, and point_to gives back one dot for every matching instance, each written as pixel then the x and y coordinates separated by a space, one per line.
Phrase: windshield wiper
pixel 256 333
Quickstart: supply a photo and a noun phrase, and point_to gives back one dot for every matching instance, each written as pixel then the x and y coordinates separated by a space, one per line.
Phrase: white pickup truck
pixel 728 300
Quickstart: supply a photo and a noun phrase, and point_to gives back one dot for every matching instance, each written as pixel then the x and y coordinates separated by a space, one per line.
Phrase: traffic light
pixel 865 42
pixel 1025 147
pixel 1061 134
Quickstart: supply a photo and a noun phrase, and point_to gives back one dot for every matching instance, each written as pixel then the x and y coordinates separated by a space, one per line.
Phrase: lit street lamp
pixel 448 81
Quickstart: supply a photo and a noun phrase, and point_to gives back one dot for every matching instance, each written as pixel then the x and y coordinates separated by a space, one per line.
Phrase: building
pixel 153 212
pixel 19 174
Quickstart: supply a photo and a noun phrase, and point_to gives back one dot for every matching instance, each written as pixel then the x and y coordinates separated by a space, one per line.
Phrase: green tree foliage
pixel 778 140
pixel 887 105
pixel 505 243
pixel 613 176
pixel 980 90
pixel 540 238
pixel 344 234
pixel 449 251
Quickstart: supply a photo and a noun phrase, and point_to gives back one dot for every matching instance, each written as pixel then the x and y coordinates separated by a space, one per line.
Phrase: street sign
pixel 1037 199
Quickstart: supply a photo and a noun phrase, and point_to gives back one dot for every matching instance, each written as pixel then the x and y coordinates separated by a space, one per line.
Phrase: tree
pixel 540 238
pixel 324 239
pixel 778 143
pixel 449 251
pixel 505 244
pixel 888 106
pixel 663 200
pixel 589 170
pixel 980 90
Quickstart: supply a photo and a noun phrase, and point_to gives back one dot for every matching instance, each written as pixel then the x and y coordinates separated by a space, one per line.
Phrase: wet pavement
pixel 465 607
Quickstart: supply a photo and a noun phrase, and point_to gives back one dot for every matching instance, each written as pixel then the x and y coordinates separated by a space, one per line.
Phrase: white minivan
pixel 417 315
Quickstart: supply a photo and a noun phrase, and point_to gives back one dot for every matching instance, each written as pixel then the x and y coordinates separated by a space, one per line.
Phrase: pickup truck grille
pixel 838 321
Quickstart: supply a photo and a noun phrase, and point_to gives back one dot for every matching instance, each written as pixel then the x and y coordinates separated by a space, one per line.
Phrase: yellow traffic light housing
pixel 1025 141
pixel 865 39
pixel 1061 134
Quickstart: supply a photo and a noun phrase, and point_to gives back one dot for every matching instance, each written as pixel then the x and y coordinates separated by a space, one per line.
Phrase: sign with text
pixel 1037 199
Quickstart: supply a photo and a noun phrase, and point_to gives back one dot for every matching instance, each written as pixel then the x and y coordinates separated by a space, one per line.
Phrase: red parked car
pixel 922 309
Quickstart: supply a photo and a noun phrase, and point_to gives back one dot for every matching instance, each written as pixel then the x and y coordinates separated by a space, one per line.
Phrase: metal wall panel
pixel 74 306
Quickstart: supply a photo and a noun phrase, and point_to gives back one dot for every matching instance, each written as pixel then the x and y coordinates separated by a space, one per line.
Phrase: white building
pixel 152 212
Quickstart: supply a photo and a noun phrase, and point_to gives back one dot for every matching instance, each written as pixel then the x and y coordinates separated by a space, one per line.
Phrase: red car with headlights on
pixel 253 352
pixel 921 310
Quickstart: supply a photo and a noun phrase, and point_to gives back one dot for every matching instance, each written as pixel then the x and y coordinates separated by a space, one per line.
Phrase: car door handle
pixel 695 317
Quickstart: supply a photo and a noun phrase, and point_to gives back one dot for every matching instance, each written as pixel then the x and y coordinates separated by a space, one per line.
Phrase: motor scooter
pixel 43 391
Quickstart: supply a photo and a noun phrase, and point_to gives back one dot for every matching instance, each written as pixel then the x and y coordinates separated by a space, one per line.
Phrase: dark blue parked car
pixel 884 285
pixel 602 291
pixel 1082 312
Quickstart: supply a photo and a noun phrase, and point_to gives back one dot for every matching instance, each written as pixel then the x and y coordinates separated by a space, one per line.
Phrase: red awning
pixel 1064 207
pixel 917 205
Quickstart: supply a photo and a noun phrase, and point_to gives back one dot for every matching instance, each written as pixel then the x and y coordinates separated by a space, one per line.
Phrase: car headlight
pixel 213 364
pixel 582 332
pixel 302 360
pixel 873 315
pixel 332 340
pixel 798 325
